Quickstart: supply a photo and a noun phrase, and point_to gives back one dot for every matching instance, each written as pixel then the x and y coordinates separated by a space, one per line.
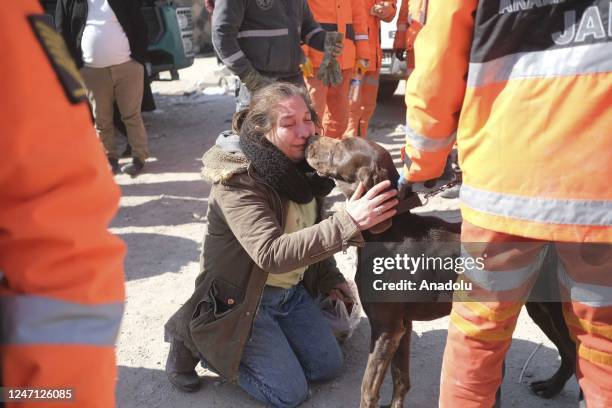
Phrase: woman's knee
pixel 328 366
pixel 292 396
pixel 277 391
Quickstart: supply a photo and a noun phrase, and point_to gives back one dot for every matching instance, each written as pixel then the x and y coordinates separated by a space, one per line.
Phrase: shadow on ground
pixel 170 254
pixel 140 387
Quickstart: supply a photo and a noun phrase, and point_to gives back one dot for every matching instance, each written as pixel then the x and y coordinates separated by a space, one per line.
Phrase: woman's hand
pixel 376 206
pixel 342 291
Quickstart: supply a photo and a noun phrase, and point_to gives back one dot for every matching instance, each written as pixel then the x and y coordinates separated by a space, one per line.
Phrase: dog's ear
pixel 370 177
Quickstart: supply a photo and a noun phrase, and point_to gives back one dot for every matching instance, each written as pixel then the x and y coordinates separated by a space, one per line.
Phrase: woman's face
pixel 293 127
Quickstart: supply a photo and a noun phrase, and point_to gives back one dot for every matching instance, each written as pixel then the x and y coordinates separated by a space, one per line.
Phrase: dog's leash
pixel 440 189
pixel 457 179
pixel 414 200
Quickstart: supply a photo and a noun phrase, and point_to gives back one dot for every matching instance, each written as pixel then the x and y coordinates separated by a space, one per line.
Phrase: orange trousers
pixel 481 328
pixel 362 110
pixel 330 103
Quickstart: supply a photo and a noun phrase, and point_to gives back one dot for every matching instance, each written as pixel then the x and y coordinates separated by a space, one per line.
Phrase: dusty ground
pixel 162 220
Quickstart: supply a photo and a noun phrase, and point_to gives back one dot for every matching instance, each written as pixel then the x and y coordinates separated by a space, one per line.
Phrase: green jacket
pixel 244 242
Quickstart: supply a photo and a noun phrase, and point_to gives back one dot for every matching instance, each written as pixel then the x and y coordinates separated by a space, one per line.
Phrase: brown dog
pixel 355 160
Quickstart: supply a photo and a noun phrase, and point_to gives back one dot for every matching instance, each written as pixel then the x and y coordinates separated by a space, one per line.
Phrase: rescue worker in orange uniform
pixel 331 102
pixel 529 106
pixel 410 19
pixel 361 110
pixel 62 283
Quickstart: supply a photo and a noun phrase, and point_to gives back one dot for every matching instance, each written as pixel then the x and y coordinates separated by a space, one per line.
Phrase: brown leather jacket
pixel 244 242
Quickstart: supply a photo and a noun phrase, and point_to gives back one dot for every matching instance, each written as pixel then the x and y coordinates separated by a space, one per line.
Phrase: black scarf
pixel 296 181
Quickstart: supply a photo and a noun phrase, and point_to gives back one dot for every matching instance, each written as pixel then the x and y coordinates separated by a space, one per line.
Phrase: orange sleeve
pixel 362 43
pixel 436 88
pixel 399 42
pixel 63 283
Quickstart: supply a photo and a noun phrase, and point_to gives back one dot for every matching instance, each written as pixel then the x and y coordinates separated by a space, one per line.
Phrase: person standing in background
pixel 108 41
pixel 259 41
pixel 410 19
pixel 61 271
pixel 331 102
pixel 361 110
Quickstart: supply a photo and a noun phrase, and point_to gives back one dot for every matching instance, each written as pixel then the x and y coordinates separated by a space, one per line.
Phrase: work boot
pixel 180 367
pixel 134 168
pixel 114 164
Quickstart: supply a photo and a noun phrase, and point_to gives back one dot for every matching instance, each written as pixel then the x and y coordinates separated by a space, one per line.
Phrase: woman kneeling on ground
pixel 266 253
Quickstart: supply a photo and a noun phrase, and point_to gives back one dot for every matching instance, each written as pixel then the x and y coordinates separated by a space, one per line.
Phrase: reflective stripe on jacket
pixel 62 287
pixel 347 17
pixel 529 105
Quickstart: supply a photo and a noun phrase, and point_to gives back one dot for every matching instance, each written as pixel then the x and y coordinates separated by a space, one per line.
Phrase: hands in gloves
pixel 417 187
pixel 361 66
pixel 334 42
pixel 329 70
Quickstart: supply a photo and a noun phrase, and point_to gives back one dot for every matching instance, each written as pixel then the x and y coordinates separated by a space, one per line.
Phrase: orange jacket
pixel 62 288
pixel 373 27
pixel 345 16
pixel 529 106
pixel 410 20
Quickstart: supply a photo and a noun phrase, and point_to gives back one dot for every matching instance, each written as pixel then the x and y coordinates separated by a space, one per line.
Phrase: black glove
pixel 419 186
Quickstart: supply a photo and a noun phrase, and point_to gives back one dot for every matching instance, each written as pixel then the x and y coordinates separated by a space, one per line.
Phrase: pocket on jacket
pixel 269 54
pixel 256 50
pixel 216 325
pixel 280 54
pixel 226 296
pixel 220 300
